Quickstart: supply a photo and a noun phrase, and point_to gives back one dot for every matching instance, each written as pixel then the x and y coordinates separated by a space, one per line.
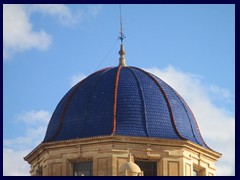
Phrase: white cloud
pixel 220 91
pixel 94 10
pixel 13 163
pixel 18 34
pixel 35 123
pixel 63 13
pixel 15 149
pixel 32 137
pixel 76 78
pixel 34 117
pixel 221 94
pixel 217 125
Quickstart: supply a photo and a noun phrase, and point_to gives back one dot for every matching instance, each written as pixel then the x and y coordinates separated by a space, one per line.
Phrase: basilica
pixel 122 121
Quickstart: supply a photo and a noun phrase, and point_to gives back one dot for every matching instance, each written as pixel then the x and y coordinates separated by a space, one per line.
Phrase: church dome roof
pixel 124 101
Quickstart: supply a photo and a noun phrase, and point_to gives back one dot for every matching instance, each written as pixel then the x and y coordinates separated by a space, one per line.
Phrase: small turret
pixel 130 169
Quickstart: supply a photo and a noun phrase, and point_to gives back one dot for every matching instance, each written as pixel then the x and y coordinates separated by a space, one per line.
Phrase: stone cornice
pixel 186 144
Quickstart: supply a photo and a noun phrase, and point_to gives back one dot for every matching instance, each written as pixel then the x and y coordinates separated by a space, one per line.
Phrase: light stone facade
pixel 108 153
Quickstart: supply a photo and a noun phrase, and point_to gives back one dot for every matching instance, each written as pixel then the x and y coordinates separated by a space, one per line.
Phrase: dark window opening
pixel 83 168
pixel 149 168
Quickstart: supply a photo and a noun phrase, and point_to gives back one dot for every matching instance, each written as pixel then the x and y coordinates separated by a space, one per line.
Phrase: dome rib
pixel 68 101
pixel 88 101
pixel 194 121
pixel 143 100
pixel 190 126
pixel 188 118
pixel 115 100
pixel 167 101
pixel 195 132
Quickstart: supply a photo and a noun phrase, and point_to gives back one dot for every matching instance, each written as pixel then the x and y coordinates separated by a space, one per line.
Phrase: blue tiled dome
pixel 124 101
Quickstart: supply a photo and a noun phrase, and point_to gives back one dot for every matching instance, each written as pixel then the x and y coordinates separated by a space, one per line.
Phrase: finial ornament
pixel 122 61
pixel 129 157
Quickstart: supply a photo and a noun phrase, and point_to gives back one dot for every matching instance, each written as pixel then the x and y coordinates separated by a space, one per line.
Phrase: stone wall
pixel 174 158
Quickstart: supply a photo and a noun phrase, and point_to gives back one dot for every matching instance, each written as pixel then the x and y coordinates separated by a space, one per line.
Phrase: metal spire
pixel 121 29
pixel 121 52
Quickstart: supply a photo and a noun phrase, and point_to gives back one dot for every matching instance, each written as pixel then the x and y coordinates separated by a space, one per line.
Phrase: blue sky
pixel 191 47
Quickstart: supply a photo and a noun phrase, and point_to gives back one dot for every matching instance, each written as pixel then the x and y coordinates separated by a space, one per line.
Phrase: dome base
pixel 106 154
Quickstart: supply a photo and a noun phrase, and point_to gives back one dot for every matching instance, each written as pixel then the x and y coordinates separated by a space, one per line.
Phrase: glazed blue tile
pixel 146 107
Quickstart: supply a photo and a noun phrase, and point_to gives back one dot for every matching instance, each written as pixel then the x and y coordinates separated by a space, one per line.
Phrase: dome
pixel 129 168
pixel 123 101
